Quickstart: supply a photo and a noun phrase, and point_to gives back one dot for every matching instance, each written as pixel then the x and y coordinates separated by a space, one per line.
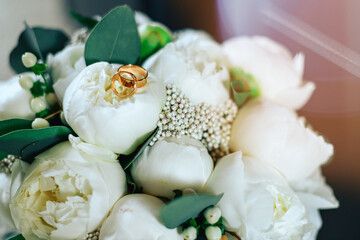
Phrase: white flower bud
pixel 212 214
pixel 190 233
pixel 28 59
pixel 38 104
pixel 213 233
pixel 26 82
pixel 51 99
pixel 40 123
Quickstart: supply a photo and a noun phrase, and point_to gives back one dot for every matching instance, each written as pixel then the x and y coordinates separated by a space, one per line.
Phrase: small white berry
pixel 37 104
pixel 40 123
pixel 213 233
pixel 212 214
pixel 28 59
pixel 51 99
pixel 190 233
pixel 26 82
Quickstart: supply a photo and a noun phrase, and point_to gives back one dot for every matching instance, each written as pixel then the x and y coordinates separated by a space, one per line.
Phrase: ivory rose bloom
pixel 65 66
pixel 258 203
pixel 194 64
pixel 99 117
pixel 7 226
pixel 276 135
pixel 135 217
pixel 279 75
pixel 15 101
pixel 172 164
pixel 66 193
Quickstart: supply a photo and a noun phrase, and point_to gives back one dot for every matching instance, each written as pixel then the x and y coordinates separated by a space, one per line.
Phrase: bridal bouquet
pixel 130 131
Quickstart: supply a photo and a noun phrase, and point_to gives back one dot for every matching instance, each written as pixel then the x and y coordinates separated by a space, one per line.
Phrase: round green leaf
pixel 115 39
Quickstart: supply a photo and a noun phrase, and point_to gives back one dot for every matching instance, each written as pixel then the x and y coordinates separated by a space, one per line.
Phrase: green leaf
pixel 38 89
pixel 239 96
pixel 16 237
pixel 39 68
pixel 88 22
pixel 27 143
pixel 183 208
pixel 10 125
pixel 153 38
pixel 127 160
pixel 39 41
pixel 115 39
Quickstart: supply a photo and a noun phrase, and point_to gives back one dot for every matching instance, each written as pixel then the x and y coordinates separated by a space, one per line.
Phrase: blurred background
pixel 327 32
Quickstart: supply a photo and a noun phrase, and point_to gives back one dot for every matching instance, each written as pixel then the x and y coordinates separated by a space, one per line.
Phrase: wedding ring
pixel 140 73
pixel 125 82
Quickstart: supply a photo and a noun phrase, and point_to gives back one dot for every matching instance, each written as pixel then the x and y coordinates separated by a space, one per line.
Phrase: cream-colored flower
pixel 194 64
pixel 65 66
pixel 172 164
pixel 274 134
pixel 66 193
pixel 279 75
pixel 14 100
pixel 258 203
pixel 99 117
pixel 136 217
pixel 7 225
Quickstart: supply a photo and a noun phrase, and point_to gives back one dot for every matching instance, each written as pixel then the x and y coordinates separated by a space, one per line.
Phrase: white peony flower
pixel 193 63
pixel 315 194
pixel 142 20
pixel 99 117
pixel 65 66
pixel 15 101
pixel 276 71
pixel 66 193
pixel 275 134
pixel 6 223
pixel 258 203
pixel 173 164
pixel 136 217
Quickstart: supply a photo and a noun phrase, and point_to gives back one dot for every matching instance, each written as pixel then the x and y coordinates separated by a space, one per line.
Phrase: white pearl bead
pixel 26 82
pixel 37 104
pixel 28 59
pixel 213 233
pixel 51 99
pixel 212 214
pixel 40 123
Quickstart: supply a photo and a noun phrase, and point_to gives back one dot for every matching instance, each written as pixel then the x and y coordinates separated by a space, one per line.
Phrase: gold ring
pixel 140 73
pixel 131 83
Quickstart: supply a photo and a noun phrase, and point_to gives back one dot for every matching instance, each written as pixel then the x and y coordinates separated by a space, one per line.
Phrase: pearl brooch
pixel 7 163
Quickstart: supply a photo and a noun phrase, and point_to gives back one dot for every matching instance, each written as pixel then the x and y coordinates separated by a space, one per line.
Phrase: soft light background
pixel 326 31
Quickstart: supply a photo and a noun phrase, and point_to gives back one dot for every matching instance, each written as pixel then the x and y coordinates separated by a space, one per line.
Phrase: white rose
pixel 99 117
pixel 257 203
pixel 194 64
pixel 136 217
pixel 66 193
pixel 275 134
pixel 15 101
pixel 172 164
pixel 65 66
pixel 276 71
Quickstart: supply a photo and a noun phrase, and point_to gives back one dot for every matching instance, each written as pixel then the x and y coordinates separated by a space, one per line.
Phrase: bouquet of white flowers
pixel 130 131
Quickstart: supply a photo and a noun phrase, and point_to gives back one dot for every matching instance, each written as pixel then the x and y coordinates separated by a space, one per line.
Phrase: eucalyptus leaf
pixel 115 39
pixel 239 96
pixel 183 208
pixel 30 142
pixel 10 125
pixel 127 160
pixel 40 41
pixel 88 22
pixel 16 237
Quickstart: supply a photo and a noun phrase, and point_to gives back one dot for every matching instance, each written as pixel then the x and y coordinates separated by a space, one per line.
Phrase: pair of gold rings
pixel 129 76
